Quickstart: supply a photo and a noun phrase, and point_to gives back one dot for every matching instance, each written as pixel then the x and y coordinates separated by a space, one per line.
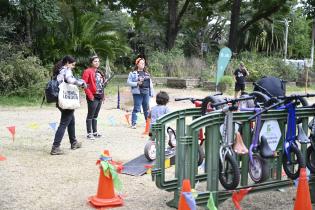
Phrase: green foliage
pixel 21 76
pixel 227 80
pixel 259 66
pixel 173 63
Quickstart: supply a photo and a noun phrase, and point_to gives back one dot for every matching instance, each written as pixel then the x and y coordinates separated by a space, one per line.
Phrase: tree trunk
pixel 28 33
pixel 172 27
pixel 234 33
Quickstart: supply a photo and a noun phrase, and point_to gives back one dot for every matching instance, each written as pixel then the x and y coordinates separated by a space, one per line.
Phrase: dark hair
pixel 162 98
pixel 61 63
pixel 92 58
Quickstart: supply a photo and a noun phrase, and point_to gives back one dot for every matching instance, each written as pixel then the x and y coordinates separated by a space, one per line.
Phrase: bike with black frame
pixel 229 172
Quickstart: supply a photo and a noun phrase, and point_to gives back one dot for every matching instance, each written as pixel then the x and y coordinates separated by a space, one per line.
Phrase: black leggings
pixel 91 118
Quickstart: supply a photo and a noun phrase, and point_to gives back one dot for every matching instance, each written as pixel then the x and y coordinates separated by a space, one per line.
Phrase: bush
pixel 173 63
pixel 21 76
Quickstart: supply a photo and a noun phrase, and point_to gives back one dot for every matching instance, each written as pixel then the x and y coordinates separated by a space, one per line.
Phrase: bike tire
pixel 297 161
pixel 310 159
pixel 150 150
pixel 201 155
pixel 259 172
pixel 231 168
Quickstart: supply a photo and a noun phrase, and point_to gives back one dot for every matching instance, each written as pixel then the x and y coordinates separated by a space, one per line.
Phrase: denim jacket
pixel 132 82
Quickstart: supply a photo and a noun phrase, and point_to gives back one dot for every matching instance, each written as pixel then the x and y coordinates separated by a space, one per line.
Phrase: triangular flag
pixel 223 60
pixel 237 197
pixel 211 204
pixel 2 158
pixel 12 131
pixel 33 125
pixel 190 200
pixel 53 126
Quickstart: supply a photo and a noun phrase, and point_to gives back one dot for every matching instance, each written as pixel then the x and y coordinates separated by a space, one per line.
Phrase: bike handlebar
pixel 233 101
pixel 188 99
pixel 296 96
pixel 272 106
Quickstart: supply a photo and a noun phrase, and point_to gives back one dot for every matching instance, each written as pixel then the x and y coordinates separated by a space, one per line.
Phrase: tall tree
pixel 235 16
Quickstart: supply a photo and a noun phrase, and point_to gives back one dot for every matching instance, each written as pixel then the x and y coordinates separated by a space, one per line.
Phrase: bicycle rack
pixel 187 147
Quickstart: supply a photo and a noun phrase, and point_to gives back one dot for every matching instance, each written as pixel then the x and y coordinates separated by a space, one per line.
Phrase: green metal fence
pixel 187 148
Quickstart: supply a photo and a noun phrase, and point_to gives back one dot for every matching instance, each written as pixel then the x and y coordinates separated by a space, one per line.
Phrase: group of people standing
pixel 93 81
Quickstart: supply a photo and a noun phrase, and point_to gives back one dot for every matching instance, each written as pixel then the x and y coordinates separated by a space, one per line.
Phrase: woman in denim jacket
pixel 141 88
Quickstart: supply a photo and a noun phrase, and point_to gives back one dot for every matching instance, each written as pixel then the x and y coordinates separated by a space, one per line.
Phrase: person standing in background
pixel 141 88
pixel 95 80
pixel 239 76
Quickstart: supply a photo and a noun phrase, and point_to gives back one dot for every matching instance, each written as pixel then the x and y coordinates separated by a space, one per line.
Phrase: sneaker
pixel 133 126
pixel 97 135
pixel 56 151
pixel 76 145
pixel 90 136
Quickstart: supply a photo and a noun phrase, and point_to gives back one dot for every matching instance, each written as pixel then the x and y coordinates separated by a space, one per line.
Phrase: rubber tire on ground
pixel 201 155
pixel 310 159
pixel 235 171
pixel 262 165
pixel 150 150
pixel 297 153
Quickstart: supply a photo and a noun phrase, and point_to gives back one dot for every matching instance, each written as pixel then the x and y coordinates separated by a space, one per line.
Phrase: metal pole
pixel 312 49
pixel 286 23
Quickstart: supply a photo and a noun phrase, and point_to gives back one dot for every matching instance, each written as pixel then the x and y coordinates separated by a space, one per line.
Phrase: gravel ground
pixel 30 178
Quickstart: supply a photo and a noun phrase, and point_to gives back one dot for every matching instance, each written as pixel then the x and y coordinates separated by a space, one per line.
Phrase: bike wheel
pixel 150 151
pixel 259 170
pixel 229 174
pixel 201 155
pixel 303 101
pixel 310 159
pixel 292 168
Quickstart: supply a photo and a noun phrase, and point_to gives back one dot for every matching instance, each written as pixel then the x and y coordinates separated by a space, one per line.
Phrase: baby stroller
pixel 270 87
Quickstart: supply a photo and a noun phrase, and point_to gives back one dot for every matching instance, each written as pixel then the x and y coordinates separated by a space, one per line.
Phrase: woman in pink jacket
pixel 95 81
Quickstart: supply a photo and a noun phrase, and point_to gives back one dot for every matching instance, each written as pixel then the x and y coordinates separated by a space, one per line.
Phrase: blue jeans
pixel 138 100
pixel 66 121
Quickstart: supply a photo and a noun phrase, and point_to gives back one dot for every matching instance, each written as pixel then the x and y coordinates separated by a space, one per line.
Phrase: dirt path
pixel 30 178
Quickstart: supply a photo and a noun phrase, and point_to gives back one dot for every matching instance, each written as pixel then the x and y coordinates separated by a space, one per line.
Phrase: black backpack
pixel 51 91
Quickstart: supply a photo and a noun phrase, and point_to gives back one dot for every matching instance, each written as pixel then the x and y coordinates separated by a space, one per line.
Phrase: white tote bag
pixel 68 97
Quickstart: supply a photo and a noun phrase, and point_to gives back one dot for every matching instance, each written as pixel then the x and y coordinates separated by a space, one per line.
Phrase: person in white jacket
pixel 141 88
pixel 63 72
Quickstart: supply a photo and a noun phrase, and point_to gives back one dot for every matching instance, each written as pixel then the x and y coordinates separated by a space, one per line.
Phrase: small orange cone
pixel 182 204
pixel 303 198
pixel 2 158
pixel 105 196
pixel 147 127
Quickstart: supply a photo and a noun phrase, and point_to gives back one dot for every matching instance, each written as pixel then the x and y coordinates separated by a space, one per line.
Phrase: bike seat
pixel 302 137
pixel 265 150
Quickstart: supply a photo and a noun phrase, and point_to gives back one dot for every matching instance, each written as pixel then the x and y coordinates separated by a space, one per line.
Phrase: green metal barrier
pixel 187 147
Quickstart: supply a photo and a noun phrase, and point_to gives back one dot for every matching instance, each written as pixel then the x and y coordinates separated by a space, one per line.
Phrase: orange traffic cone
pixel 182 204
pixel 303 198
pixel 105 196
pixel 147 127
pixel 2 158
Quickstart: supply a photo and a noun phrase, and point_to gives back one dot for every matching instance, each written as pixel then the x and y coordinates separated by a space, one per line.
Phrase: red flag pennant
pixel 237 197
pixel 12 131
